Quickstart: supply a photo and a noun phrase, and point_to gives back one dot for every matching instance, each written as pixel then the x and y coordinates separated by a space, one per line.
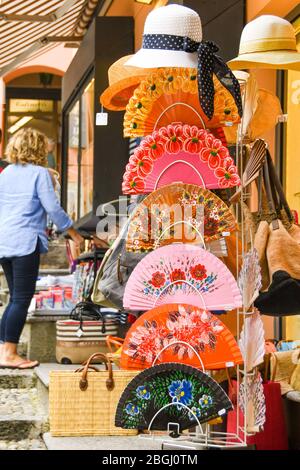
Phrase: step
pixel 17 379
pixel 21 416
pixel 101 443
pixel 24 444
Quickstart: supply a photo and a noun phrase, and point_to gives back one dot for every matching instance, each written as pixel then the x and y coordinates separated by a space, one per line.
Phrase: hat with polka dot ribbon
pixel 173 38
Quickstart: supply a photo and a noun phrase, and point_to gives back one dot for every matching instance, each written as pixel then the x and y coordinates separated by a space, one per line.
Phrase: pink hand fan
pixel 181 273
pixel 179 153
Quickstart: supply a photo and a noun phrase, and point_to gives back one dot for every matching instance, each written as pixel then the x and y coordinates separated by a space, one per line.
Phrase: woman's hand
pixel 76 237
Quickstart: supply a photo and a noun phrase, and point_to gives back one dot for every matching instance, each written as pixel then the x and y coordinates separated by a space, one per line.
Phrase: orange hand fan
pixel 178 213
pixel 179 333
pixel 179 153
pixel 170 95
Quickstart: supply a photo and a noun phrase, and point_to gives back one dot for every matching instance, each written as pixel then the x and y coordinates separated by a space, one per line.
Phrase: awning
pixel 30 27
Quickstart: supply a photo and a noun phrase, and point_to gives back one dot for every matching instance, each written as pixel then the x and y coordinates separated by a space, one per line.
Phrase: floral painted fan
pixel 250 281
pixel 184 274
pixel 171 95
pixel 179 333
pixel 179 153
pixel 170 395
pixel 178 213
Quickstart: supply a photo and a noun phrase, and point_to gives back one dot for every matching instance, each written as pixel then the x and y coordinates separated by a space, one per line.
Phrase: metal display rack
pixel 204 436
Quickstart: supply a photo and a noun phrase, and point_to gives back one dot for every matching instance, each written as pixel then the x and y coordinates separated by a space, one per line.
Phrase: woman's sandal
pixel 20 364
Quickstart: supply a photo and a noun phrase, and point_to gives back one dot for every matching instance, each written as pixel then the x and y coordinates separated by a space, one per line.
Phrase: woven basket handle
pixel 83 383
pixel 114 342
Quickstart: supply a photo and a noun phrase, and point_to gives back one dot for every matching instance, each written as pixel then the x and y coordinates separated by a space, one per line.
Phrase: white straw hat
pixel 267 42
pixel 170 21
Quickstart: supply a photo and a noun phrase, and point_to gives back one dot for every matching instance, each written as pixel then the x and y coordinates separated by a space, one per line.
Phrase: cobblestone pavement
pixel 25 444
pixel 17 402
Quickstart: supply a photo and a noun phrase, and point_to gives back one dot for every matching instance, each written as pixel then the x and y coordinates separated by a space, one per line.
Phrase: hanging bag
pixel 115 270
pixel 283 257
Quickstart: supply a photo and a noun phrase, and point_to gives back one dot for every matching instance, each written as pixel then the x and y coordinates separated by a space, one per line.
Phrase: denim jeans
pixel 21 273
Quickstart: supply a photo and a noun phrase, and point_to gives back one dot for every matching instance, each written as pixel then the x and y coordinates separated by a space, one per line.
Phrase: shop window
pixel 292 160
pixel 80 154
pixel 73 161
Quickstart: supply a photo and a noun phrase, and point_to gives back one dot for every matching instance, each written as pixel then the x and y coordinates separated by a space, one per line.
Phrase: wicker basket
pixel 84 402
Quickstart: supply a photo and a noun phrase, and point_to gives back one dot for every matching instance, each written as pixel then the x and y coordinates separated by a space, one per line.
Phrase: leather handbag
pixel 115 269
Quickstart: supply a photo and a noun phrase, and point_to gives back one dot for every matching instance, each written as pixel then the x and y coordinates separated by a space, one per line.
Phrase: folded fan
pixel 179 153
pixel 170 395
pixel 178 213
pixel 177 333
pixel 171 95
pixel 253 166
pixel 181 273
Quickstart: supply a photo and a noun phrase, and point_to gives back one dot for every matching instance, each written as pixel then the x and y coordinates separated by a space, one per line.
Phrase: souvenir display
pixel 171 95
pixel 172 214
pixel 179 153
pixel 187 274
pixel 123 80
pixel 252 341
pixel 177 333
pixel 250 278
pixel 178 268
pixel 173 395
pixel 268 42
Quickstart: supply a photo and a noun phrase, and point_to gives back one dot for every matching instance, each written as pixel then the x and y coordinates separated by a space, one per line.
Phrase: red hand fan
pixel 171 95
pixel 179 153
pixel 172 213
pixel 176 333
pixel 181 273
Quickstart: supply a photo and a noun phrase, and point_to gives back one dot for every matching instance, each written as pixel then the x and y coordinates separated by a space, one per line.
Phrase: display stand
pixel 204 437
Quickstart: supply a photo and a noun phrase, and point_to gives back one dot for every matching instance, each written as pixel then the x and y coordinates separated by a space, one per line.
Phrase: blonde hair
pixel 27 146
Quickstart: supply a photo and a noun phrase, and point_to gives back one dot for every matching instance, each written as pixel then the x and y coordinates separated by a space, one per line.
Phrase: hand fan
pixel 181 273
pixel 250 280
pixel 254 165
pixel 178 213
pixel 171 95
pixel 252 402
pixel 176 333
pixel 252 341
pixel 179 153
pixel 170 393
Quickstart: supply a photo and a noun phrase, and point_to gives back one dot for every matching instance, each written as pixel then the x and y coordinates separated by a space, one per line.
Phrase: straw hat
pixel 166 25
pixel 122 81
pixel 264 118
pixel 267 42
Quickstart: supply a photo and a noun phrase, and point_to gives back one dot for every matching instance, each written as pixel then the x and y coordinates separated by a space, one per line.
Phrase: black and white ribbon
pixel 209 63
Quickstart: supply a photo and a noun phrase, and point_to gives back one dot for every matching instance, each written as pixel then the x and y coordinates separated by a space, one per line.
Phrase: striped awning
pixel 30 27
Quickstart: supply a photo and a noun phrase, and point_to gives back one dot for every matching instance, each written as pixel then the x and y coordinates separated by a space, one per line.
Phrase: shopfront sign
pixel 30 106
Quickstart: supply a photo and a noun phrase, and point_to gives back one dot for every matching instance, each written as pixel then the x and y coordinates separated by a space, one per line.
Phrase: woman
pixel 27 196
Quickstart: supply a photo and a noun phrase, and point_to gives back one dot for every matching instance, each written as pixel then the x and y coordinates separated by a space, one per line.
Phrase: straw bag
pixel 84 402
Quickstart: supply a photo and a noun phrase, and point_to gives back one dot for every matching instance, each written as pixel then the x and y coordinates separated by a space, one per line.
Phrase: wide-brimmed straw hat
pixel 267 42
pixel 122 80
pixel 163 26
pixel 173 38
pixel 261 111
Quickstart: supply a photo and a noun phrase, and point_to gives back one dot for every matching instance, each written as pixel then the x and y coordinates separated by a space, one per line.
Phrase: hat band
pixel 267 45
pixel 208 64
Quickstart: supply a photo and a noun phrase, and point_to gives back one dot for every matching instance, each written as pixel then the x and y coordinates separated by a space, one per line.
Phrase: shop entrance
pixel 34 100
